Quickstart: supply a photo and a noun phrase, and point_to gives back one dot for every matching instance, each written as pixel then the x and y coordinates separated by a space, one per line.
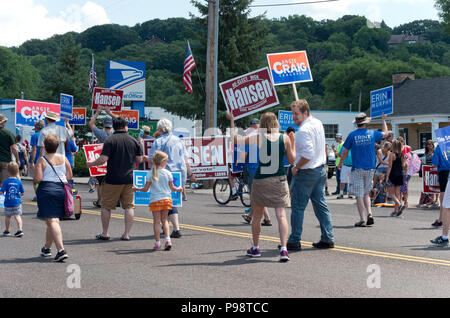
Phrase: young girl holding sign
pixel 160 182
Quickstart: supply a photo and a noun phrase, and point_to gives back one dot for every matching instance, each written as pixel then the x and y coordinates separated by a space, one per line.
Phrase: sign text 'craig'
pixel 28 112
pixel 249 93
pixel 111 98
pixel 208 157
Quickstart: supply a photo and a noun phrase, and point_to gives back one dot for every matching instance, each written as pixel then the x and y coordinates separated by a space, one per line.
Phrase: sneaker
pixel 335 192
pixel 341 196
pixel 18 234
pixel 247 211
pixel 440 241
pixel 253 252
pixel 370 220
pixel 400 211
pixel 168 246
pixel 96 204
pixel 437 223
pixel 266 223
pixel 157 247
pixel 46 252
pixel 327 193
pixel 247 218
pixel 6 233
pixel 175 234
pixel 34 199
pixel 284 256
pixel 91 190
pixel 61 256
pixel 394 214
pixel 350 196
pixel 322 245
pixel 234 197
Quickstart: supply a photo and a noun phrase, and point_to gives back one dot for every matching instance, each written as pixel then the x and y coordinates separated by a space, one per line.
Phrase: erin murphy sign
pixel 249 93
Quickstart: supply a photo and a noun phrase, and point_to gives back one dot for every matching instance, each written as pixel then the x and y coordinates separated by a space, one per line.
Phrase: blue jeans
pixel 310 184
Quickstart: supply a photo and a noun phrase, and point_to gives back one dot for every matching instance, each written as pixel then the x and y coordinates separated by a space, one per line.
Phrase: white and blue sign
pixel 66 102
pixel 285 120
pixel 382 101
pixel 143 198
pixel 443 139
pixel 127 76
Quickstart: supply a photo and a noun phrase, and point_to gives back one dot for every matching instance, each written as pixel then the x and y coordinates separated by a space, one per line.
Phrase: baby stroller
pixel 379 195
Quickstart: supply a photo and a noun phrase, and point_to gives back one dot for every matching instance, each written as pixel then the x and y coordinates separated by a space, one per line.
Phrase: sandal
pixel 247 218
pixel 360 224
pixel 101 237
pixel 266 223
pixel 123 238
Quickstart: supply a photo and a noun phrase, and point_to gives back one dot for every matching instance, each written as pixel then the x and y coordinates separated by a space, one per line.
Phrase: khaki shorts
pixel 111 193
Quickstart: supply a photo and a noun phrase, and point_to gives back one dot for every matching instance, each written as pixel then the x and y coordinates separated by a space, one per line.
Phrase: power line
pixel 290 4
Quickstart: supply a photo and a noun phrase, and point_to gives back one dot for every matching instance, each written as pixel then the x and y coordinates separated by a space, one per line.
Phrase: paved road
pixel 209 260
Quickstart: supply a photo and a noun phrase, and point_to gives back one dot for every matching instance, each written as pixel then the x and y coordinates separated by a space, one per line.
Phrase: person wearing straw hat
pixel 7 147
pixel 362 144
pixel 63 133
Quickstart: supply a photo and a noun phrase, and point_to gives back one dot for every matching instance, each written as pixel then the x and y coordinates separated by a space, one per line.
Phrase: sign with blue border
pixel 66 102
pixel 382 101
pixel 285 119
pixel 127 76
pixel 143 198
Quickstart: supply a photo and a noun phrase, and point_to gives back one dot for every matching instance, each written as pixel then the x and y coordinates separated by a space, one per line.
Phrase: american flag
pixel 189 64
pixel 92 76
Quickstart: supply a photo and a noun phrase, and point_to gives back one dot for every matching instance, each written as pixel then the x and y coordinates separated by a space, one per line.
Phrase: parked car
pixel 331 162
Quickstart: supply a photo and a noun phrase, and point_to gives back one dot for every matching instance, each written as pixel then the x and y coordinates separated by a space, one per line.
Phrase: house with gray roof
pixel 421 106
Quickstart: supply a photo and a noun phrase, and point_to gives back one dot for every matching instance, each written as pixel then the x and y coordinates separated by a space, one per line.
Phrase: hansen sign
pixel 249 93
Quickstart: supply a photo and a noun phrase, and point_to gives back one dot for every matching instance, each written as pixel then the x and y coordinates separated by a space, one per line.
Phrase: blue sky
pixel 21 20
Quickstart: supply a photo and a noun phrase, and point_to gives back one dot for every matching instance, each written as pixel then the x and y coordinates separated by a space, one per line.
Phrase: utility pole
pixel 211 65
pixel 359 103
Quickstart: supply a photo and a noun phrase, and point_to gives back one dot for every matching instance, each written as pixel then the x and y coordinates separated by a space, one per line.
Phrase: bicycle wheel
pixel 244 193
pixel 222 191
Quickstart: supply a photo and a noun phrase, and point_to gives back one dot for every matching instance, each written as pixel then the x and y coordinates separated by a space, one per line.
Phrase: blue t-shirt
pixel 12 188
pixel 362 144
pixel 439 160
pixel 34 142
pixel 71 147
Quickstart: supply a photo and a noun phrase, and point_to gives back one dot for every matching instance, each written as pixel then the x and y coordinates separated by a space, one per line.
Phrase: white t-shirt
pixel 160 189
pixel 61 132
pixel 310 143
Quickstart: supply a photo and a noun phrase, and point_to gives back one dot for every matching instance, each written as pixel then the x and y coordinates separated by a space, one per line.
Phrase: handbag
pixel 68 197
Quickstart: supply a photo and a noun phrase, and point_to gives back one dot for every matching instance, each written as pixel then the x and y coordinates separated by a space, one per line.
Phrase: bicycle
pixel 223 192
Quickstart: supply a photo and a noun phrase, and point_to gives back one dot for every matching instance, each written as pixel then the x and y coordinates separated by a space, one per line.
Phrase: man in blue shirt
pixel 362 144
pixel 442 162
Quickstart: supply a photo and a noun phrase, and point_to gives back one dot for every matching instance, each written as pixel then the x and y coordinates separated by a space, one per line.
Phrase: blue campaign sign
pixel 285 120
pixel 382 101
pixel 443 139
pixel 127 76
pixel 143 198
pixel 66 102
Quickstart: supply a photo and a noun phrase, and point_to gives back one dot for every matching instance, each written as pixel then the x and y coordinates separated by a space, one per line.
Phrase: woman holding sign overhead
pixel 270 187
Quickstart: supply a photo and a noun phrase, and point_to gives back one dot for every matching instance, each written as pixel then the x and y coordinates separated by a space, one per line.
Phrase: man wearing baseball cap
pixel 7 146
pixel 101 136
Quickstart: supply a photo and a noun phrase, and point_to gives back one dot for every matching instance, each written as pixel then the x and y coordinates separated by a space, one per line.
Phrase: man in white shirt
pixel 309 177
pixel 63 133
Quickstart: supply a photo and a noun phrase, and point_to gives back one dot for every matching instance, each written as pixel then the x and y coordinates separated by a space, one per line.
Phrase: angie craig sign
pixel 249 93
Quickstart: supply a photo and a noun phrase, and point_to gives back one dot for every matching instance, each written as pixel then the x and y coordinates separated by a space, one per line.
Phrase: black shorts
pixel 100 179
pixel 443 177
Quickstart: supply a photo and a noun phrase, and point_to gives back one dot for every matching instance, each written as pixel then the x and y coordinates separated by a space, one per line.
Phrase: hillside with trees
pixel 348 58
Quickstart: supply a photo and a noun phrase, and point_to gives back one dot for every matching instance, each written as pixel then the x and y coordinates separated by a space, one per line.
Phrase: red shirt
pixel 406 149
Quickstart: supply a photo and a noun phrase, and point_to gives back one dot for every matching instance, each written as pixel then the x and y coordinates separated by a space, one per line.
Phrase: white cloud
pixel 21 20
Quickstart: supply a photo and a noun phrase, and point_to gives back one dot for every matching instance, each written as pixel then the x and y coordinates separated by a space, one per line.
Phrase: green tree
pixel 444 12
pixel 17 75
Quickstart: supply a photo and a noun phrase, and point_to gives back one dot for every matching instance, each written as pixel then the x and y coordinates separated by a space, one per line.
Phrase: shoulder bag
pixel 68 196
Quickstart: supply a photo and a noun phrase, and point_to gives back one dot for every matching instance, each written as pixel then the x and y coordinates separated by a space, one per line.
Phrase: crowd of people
pixel 366 159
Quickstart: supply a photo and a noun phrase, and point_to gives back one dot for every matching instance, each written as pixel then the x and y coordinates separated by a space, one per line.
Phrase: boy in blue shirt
pixel 13 190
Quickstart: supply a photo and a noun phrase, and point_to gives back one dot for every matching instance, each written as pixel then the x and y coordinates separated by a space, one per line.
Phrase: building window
pixel 330 130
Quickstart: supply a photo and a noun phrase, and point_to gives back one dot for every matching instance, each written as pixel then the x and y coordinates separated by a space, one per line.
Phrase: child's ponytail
pixel 158 158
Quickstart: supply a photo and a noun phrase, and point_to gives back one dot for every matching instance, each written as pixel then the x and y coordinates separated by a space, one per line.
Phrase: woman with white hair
pixel 177 162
